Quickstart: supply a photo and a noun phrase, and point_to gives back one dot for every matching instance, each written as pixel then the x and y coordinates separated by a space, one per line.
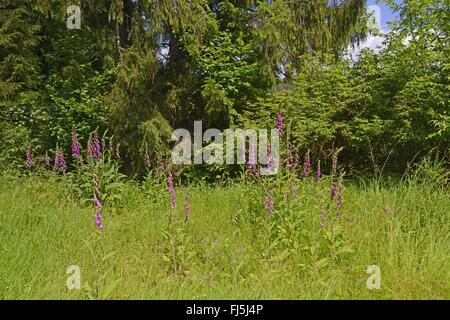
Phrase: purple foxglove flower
pixel 339 201
pixel 270 204
pixel 96 148
pixel 171 190
pixel 75 146
pixel 98 220
pixel 291 157
pixel 280 123
pixel 333 191
pixel 29 161
pixel 97 201
pixel 307 166
pixel 186 208
pixel 60 163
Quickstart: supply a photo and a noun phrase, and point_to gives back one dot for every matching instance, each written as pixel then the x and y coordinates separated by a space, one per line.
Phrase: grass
pixel 229 248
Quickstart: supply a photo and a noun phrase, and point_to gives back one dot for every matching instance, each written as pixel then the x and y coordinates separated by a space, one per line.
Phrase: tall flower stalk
pixel 333 191
pixel 60 163
pixel 96 147
pixel 75 146
pixel 171 190
pixel 307 165
pixel 97 203
pixel 290 164
pixel 280 123
pixel 270 204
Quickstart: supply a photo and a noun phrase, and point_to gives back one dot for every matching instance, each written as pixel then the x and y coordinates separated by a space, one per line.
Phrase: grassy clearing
pixel 229 248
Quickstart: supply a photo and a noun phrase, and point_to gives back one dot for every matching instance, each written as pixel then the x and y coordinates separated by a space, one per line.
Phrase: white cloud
pixel 374 43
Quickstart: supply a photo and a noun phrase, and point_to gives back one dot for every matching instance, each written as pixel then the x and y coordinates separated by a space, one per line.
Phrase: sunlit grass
pixel 221 253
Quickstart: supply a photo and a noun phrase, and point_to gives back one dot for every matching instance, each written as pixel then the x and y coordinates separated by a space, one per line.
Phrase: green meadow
pixel 229 247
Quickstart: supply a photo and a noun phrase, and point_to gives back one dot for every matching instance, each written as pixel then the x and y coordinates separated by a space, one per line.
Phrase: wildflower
pixel 186 208
pixel 286 195
pixel 97 201
pixel 319 173
pixel 28 156
pixel 96 148
pixel 291 157
pixel 216 244
pixel 322 225
pixel 170 189
pixel 75 146
pixel 60 163
pixel 98 220
pixel 280 123
pixel 338 215
pixel 270 204
pixel 339 201
pixel 333 191
pixel 307 165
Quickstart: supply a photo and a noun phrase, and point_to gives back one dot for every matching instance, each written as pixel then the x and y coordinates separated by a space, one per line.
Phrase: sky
pixel 386 14
pixel 383 14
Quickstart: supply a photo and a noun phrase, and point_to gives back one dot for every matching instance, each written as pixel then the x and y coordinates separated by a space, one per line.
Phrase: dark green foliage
pixel 142 68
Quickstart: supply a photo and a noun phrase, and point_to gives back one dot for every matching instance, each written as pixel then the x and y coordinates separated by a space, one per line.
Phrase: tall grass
pixel 230 248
